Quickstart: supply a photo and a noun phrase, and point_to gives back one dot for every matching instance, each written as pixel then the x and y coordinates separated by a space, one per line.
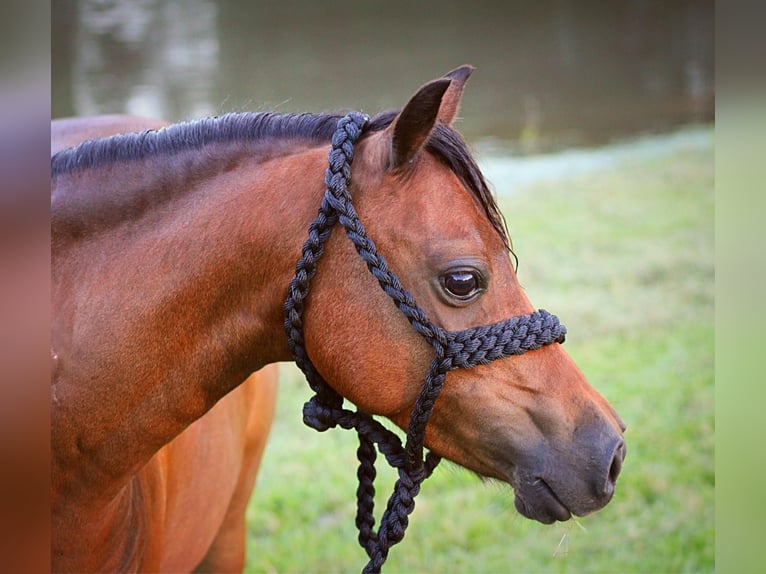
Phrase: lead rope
pixel 457 349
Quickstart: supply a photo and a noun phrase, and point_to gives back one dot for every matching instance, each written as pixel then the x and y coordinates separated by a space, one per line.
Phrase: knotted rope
pixel 453 350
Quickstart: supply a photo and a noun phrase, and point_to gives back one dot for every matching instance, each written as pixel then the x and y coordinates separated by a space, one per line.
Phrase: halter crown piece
pixel 453 350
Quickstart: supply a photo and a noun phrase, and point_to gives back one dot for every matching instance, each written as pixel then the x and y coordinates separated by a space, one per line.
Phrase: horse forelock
pixel 448 147
pixel 446 144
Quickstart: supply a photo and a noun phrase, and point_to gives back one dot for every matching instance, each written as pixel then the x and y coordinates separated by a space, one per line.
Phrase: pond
pixel 550 75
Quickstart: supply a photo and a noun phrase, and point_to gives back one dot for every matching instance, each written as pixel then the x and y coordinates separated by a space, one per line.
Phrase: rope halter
pixel 453 350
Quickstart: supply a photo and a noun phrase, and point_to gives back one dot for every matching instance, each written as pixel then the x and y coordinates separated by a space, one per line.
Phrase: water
pixel 550 74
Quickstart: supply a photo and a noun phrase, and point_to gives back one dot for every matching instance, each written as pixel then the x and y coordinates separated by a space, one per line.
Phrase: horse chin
pixel 537 501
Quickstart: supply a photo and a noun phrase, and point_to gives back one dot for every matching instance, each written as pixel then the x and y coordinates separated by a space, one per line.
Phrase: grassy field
pixel 625 258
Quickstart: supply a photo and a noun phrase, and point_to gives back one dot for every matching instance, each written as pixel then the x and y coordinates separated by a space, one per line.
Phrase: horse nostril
pixel 616 467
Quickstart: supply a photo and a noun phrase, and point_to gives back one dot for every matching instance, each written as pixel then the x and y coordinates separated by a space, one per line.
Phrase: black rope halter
pixel 453 350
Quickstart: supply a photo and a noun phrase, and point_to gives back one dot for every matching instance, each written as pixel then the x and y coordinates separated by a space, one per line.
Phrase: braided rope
pixel 453 350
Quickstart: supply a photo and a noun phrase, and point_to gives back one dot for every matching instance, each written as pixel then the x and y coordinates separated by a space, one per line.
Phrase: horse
pixel 171 252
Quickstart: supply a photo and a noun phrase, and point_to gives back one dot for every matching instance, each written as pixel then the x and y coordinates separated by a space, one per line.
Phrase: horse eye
pixel 461 284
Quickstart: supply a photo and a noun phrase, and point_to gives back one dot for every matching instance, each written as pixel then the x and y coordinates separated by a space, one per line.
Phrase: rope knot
pixel 318 415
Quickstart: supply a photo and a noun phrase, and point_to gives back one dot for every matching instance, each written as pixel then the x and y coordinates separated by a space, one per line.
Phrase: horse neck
pixel 159 316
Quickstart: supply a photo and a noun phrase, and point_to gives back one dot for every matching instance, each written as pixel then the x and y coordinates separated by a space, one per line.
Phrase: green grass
pixel 625 258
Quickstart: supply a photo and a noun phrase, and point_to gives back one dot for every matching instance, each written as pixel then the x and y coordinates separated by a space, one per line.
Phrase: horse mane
pixel 186 136
pixel 444 143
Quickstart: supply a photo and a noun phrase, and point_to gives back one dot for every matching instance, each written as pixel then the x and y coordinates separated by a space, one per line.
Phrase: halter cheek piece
pixel 453 350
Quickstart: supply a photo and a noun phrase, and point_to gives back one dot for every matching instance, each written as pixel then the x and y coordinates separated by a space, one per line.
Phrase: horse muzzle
pixel 579 484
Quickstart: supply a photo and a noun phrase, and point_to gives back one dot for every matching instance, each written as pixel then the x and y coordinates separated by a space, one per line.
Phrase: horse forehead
pixel 433 199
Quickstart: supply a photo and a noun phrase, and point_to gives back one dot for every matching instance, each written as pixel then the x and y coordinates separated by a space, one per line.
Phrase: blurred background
pixel 593 121
pixel 550 74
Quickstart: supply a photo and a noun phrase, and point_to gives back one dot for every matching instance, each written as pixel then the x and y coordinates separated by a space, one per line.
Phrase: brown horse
pixel 171 255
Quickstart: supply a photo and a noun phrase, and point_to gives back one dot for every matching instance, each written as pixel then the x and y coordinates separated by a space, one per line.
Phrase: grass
pixel 625 258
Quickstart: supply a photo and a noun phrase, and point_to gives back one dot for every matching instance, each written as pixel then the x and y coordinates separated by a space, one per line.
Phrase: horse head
pixel 530 420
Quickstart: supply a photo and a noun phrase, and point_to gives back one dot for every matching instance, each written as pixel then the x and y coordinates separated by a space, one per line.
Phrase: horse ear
pixel 438 100
pixel 411 128
pixel 451 100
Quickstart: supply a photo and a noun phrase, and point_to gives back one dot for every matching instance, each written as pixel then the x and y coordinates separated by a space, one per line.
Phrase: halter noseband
pixel 453 350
